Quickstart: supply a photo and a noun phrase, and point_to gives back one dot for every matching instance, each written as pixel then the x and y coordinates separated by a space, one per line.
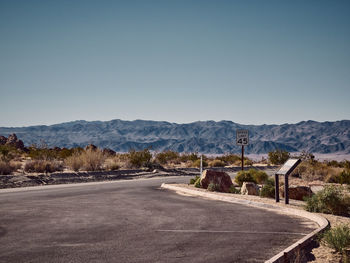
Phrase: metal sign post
pixel 285 170
pixel 242 138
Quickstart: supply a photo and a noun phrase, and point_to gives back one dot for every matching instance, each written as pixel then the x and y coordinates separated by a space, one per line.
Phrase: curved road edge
pixel 286 253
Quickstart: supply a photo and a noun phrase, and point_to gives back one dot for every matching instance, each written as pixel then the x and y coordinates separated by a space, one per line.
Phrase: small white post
pixel 201 166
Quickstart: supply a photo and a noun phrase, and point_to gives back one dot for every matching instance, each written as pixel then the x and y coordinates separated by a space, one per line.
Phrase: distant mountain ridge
pixel 202 136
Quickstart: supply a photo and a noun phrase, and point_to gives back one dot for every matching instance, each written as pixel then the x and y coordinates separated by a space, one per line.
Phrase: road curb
pixel 284 255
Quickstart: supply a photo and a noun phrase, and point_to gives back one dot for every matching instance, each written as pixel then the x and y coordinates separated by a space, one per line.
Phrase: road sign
pixel 242 137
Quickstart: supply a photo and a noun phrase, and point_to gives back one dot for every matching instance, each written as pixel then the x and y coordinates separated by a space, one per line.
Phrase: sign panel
pixel 288 166
pixel 242 137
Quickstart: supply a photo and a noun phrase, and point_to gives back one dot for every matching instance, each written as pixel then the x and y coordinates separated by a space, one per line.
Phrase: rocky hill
pixel 204 136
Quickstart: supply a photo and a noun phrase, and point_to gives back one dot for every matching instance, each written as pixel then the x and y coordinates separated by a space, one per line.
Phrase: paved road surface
pixel 135 221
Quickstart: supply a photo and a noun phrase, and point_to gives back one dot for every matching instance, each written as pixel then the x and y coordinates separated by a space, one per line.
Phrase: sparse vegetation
pixel 338 238
pixel 245 176
pixel 331 200
pixel 259 176
pixel 197 163
pixel 167 157
pixel 234 190
pixel 216 163
pixel 268 189
pixel 193 180
pixel 74 162
pixel 92 159
pixel 42 166
pixel 252 175
pixel 197 183
pixel 214 187
pixel 139 159
pixel 341 178
pixel 278 157
pixel 6 168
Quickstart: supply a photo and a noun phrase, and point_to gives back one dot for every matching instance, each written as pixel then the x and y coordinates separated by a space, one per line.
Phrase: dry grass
pixel 315 171
pixel 74 162
pixel 41 166
pixel 88 160
pixel 6 168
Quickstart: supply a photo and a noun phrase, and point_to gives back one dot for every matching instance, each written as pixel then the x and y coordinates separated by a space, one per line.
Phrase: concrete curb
pixel 286 253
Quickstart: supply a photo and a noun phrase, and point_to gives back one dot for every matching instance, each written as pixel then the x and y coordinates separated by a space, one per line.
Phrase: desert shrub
pixel 74 162
pixel 9 152
pixel 268 189
pixel 340 178
pixel 244 176
pixel 229 158
pixel 197 163
pixel 92 159
pixel 345 164
pixel 112 164
pixel 139 159
pixel 189 157
pixel 248 162
pixel 6 168
pixel 193 180
pixel 42 166
pixel 330 200
pixel 42 153
pixel 198 183
pixel 314 171
pixel 216 163
pixel 338 238
pixel 234 190
pixel 64 153
pixel 333 163
pixel 167 156
pixel 278 157
pixel 214 187
pixel 259 176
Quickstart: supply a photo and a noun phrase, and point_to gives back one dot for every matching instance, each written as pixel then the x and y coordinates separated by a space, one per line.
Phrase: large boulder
pixel 220 178
pixel 297 192
pixel 249 188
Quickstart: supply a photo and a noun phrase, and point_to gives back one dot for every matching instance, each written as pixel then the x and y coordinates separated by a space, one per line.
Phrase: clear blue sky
pixel 250 62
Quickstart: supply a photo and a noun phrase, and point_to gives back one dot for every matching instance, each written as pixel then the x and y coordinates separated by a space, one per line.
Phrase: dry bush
pixel 88 160
pixel 216 163
pixel 92 159
pixel 112 164
pixel 41 166
pixel 167 157
pixel 314 171
pixel 6 168
pixel 74 162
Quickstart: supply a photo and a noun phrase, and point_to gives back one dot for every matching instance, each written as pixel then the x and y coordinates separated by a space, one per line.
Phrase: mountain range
pixel 203 136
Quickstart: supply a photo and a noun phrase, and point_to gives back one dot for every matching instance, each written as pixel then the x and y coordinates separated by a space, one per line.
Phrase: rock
pixel 3 140
pixel 108 151
pixel 249 188
pixel 297 192
pixel 216 177
pixel 12 140
pixel 90 147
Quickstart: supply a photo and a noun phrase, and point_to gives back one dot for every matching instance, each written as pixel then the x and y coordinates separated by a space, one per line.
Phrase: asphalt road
pixel 135 221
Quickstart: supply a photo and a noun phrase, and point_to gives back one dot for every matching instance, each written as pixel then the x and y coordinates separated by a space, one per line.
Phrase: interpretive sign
pixel 288 166
pixel 242 137
pixel 285 170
